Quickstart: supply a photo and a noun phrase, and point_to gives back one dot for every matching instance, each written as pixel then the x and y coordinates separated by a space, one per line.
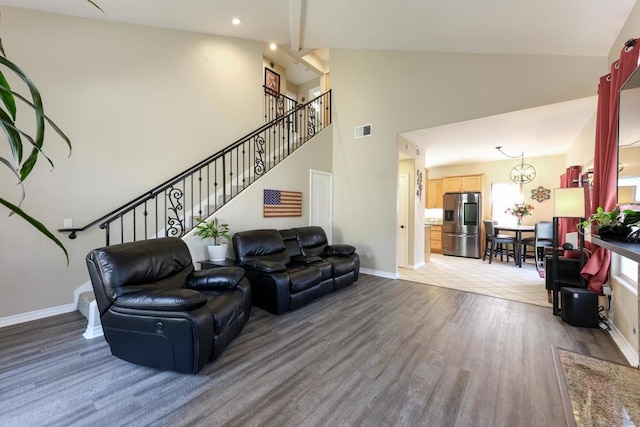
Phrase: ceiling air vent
pixel 363 131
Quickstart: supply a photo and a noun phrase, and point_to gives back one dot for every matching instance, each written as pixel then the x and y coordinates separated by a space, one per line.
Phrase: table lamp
pixel 567 203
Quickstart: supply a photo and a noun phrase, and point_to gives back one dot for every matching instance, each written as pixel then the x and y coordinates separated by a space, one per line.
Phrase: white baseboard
pixel 627 349
pixel 416 266
pixel 35 315
pixel 93 332
pixel 379 273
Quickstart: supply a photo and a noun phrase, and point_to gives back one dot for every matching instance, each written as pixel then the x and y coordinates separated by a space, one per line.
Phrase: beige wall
pixel 400 91
pixel 140 104
pixel 303 89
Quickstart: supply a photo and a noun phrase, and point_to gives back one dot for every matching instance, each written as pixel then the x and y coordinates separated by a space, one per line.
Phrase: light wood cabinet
pixel 434 193
pixel 436 239
pixel 427 244
pixel 456 184
pixel 452 184
pixel 473 183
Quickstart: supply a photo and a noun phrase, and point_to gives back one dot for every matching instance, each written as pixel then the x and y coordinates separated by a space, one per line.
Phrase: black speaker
pixel 579 307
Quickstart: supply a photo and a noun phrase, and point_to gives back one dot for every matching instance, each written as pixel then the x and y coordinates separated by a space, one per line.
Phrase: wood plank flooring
pixel 378 353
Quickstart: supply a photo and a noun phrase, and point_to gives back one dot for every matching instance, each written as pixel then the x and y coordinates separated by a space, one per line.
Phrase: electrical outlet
pixel 368 255
pixel 607 290
pixel 68 223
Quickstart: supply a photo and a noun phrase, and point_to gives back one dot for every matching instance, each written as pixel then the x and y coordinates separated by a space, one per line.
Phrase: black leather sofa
pixel 289 268
pixel 157 311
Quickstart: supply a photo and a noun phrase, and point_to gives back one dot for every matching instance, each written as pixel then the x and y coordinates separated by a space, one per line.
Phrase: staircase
pixel 171 208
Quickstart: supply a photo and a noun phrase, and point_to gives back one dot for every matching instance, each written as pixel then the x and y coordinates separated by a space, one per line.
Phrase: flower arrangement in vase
pixel 520 210
pixel 214 230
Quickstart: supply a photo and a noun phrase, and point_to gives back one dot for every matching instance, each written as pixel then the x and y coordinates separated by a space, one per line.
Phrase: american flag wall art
pixel 279 203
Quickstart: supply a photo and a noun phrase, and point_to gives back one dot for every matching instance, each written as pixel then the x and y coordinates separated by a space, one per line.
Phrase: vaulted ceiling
pixel 299 27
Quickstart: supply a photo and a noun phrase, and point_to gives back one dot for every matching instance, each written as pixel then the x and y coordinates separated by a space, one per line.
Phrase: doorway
pixel 403 219
pixel 320 201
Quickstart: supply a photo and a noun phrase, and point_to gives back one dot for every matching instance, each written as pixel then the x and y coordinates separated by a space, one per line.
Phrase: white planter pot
pixel 217 252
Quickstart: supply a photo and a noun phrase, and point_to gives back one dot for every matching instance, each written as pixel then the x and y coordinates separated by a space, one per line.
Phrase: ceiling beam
pixel 315 64
pixel 295 23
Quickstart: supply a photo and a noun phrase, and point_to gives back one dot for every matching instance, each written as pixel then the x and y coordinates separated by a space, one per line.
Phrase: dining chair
pixel 497 243
pixel 543 238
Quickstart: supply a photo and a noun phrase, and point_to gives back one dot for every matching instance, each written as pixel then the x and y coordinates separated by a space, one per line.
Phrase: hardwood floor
pixel 380 352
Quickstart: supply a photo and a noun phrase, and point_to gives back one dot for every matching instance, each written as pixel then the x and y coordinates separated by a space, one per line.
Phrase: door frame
pixel 313 175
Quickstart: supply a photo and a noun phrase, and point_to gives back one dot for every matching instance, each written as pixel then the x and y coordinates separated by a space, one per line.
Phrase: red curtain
pixel 605 166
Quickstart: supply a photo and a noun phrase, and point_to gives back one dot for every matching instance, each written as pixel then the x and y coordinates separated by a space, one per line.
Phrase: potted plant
pixel 612 224
pixel 214 231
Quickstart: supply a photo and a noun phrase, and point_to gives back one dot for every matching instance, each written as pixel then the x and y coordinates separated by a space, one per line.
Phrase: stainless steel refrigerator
pixel 461 224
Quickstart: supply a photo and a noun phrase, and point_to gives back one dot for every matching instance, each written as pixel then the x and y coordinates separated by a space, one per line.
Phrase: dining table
pixel 517 230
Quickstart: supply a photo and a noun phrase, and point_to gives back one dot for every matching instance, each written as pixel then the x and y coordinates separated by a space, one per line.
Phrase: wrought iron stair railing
pixel 171 208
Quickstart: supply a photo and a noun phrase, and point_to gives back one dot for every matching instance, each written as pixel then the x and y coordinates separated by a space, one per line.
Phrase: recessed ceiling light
pixel 236 21
pixel 273 46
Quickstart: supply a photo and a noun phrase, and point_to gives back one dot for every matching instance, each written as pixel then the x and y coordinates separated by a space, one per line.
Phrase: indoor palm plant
pixel 21 138
pixel 214 231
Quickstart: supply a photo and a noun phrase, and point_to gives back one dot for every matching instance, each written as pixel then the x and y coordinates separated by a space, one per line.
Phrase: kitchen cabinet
pixel 465 183
pixel 434 193
pixel 473 183
pixel 436 239
pixel 427 243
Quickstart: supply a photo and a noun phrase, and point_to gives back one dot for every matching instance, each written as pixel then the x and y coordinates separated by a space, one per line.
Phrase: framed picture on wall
pixel 271 82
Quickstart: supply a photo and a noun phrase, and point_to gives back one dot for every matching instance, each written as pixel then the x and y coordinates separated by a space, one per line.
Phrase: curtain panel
pixel 605 162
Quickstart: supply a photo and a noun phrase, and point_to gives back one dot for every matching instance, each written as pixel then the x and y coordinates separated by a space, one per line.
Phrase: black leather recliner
pixel 343 258
pixel 278 284
pixel 157 311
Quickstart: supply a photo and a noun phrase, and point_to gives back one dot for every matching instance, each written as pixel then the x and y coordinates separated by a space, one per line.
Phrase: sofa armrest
pixel 306 259
pixel 162 300
pixel 264 266
pixel 215 279
pixel 339 250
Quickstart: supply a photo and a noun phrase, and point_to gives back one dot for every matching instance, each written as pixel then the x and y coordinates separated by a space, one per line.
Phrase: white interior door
pixel 403 218
pixel 320 201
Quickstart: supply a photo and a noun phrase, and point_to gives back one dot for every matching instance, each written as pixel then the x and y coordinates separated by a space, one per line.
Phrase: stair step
pixel 84 301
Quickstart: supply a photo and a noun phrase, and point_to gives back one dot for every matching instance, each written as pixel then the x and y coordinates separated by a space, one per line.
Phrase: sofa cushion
pixel 264 245
pixel 312 240
pixel 341 266
pixel 303 277
pixel 225 308
pixel 339 250
pixel 217 278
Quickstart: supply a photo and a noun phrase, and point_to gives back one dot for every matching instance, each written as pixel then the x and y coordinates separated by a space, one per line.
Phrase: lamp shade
pixel 568 202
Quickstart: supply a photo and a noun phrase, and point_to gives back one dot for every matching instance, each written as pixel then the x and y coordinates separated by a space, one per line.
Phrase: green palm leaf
pixel 28 165
pixel 6 97
pixel 37 224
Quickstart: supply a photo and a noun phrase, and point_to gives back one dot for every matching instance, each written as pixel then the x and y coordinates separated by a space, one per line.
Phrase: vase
pixel 519 221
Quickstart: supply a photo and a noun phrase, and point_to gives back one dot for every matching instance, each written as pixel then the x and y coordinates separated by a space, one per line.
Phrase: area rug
pixel 600 393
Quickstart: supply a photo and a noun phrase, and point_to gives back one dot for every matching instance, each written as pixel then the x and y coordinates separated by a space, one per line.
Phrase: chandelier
pixel 523 173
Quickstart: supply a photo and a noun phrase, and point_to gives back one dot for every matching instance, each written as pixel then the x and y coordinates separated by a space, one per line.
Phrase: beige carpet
pixel 498 279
